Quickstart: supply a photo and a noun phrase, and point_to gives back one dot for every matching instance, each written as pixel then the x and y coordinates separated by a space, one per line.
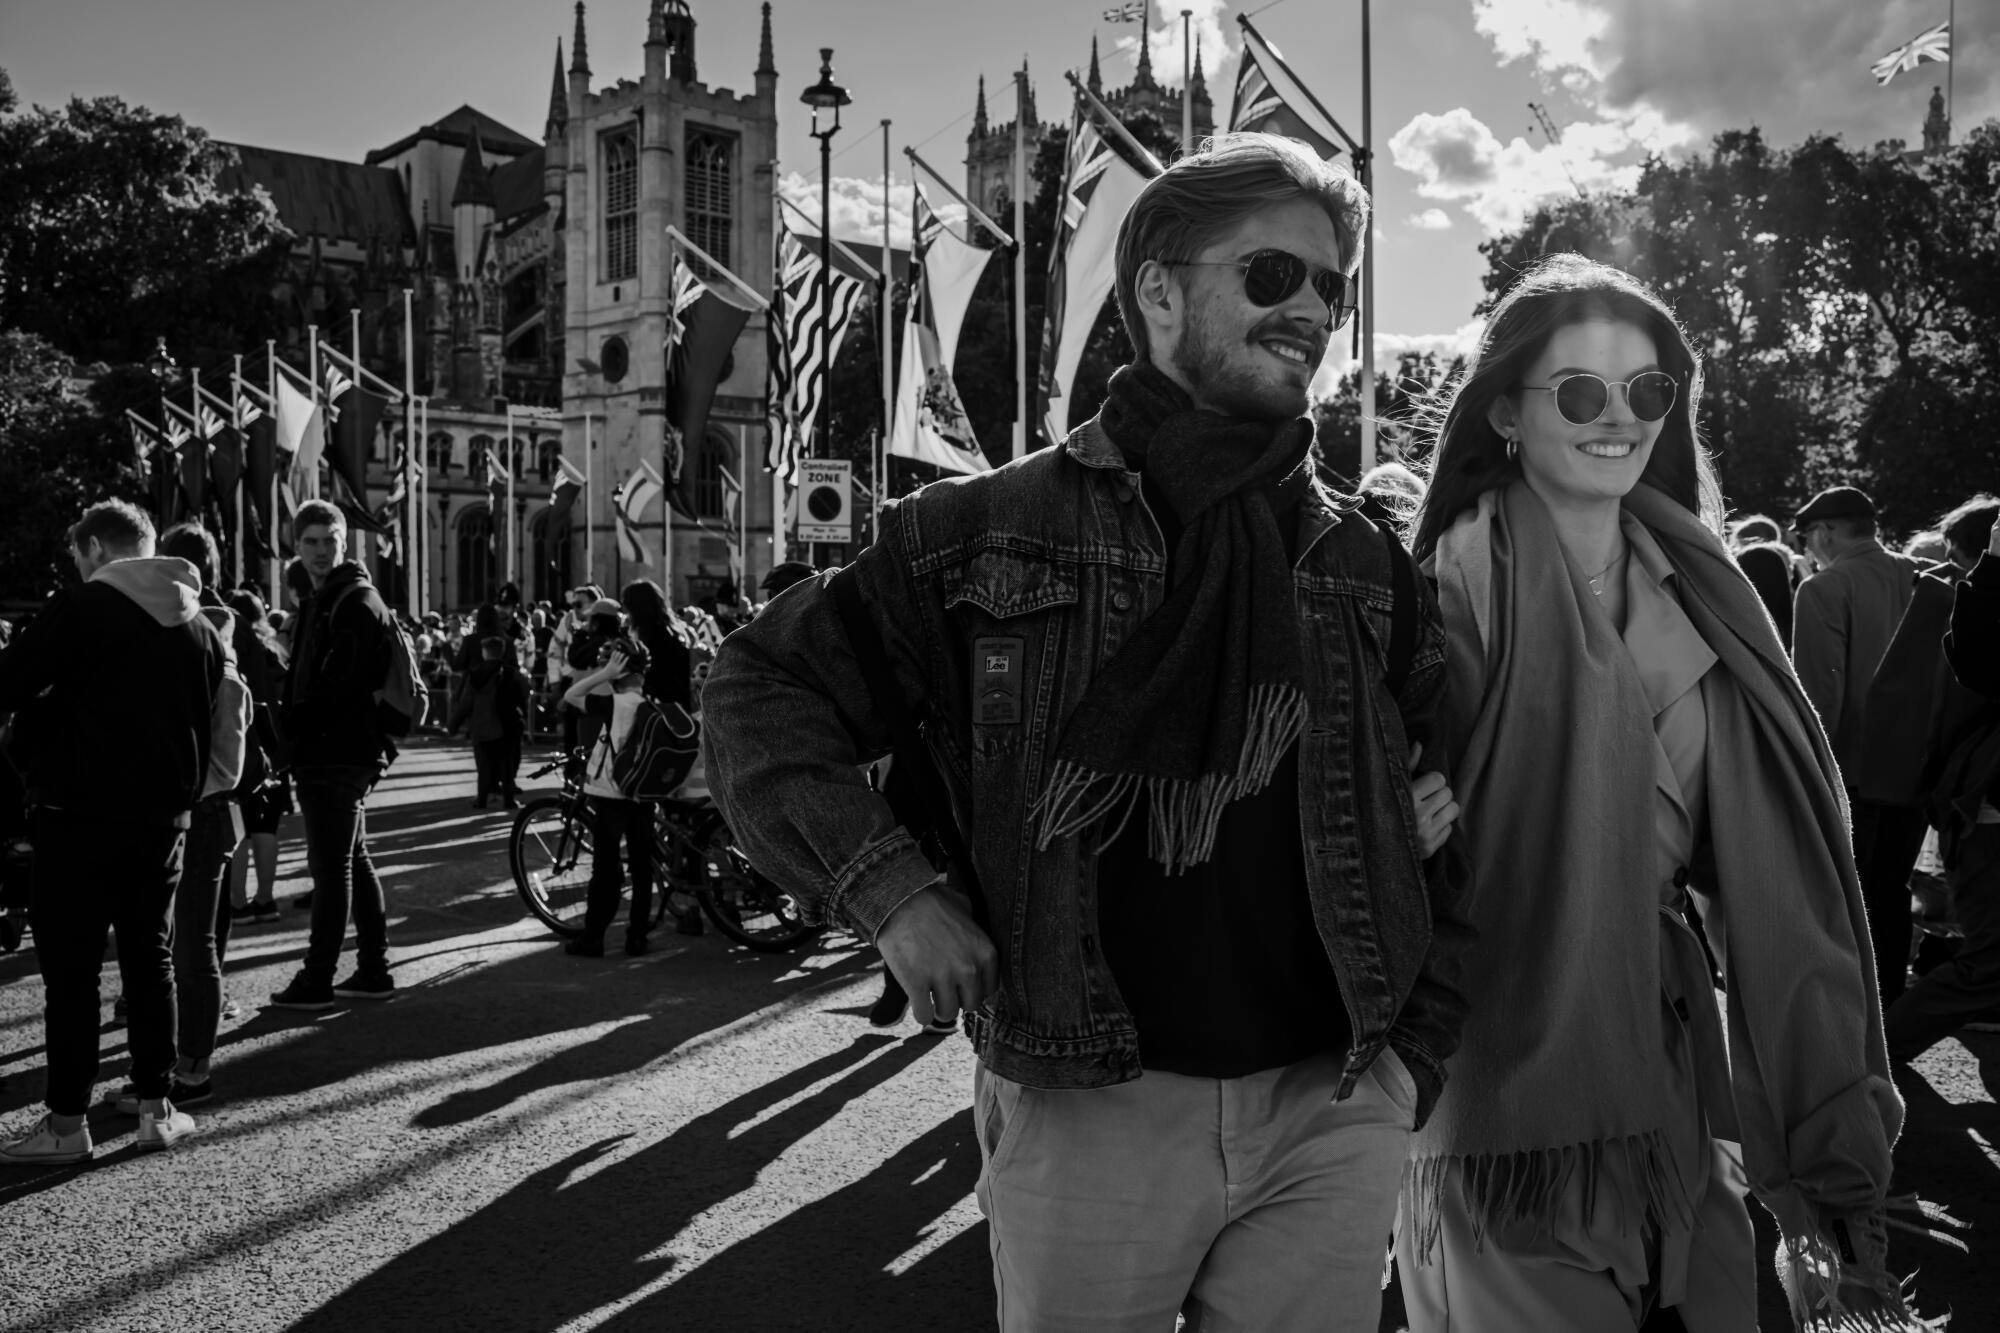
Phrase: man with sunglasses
pixel 1843 618
pixel 1209 969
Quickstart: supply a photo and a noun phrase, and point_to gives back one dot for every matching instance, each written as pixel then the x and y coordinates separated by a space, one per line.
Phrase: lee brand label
pixel 996 681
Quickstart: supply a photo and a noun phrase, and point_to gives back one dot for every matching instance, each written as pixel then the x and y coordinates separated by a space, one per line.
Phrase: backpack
pixel 658 753
pixel 402 699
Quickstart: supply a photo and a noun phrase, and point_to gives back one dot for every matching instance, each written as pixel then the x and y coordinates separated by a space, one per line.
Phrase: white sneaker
pixel 159 1132
pixel 42 1146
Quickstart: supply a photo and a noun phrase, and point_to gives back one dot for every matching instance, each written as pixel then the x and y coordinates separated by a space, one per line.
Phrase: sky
pixel 1458 156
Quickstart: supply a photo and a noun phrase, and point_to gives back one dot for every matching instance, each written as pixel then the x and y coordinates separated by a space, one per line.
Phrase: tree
pixel 114 231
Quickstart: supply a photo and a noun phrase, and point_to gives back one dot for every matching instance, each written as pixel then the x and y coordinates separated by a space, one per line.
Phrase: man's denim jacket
pixel 1052 563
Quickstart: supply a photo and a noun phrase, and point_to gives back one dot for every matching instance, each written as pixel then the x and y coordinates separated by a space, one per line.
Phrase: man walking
pixel 124 697
pixel 1209 976
pixel 337 749
pixel 1843 619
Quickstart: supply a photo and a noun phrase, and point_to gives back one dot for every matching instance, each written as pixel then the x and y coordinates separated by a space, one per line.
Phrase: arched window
pixel 547 450
pixel 716 456
pixel 620 151
pixel 437 452
pixel 709 194
pixel 475 458
pixel 475 556
pixel 549 546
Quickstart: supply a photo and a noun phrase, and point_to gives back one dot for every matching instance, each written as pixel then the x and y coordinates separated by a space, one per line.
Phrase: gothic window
pixel 710 192
pixel 549 545
pixel 475 458
pixel 621 205
pixel 715 457
pixel 475 556
pixel 437 452
pixel 547 450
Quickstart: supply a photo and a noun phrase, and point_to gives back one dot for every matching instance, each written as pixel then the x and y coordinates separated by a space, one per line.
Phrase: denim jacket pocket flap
pixel 1005 583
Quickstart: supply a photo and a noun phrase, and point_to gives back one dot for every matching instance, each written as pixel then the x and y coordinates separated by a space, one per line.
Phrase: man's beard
pixel 1231 388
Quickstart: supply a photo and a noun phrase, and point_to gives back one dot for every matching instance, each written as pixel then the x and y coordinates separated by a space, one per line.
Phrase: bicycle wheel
pixel 549 851
pixel 742 903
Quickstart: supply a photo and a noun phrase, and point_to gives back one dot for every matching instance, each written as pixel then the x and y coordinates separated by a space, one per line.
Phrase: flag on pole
pixel 185 430
pixel 301 427
pixel 931 425
pixel 1271 100
pixel 629 503
pixel 701 338
pixel 1099 189
pixel 145 438
pixel 1132 11
pixel 795 388
pixel 355 413
pixel 497 478
pixel 569 485
pixel 1930 44
pixel 260 469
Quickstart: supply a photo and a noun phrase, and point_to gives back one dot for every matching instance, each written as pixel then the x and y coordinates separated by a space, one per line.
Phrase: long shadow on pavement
pixel 554 1248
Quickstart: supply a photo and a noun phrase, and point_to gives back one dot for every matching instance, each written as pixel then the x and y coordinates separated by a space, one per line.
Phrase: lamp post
pixel 825 98
pixel 165 372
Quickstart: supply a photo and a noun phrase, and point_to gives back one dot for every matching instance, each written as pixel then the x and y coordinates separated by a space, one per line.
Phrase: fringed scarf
pixel 1561 1064
pixel 1209 693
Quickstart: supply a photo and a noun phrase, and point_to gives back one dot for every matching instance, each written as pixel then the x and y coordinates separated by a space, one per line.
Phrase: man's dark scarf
pixel 1209 693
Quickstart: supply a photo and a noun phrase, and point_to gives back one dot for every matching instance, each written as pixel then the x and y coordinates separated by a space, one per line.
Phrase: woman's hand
pixel 1436 810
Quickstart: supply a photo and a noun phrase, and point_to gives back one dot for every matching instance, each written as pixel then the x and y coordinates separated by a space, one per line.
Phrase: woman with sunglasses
pixel 1631 747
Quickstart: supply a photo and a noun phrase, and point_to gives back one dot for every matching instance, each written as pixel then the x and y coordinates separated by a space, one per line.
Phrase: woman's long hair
pixel 1469 457
pixel 646 604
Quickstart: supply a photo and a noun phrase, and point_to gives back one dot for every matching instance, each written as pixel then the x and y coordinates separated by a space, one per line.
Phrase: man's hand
pixel 1436 811
pixel 939 955
pixel 1993 541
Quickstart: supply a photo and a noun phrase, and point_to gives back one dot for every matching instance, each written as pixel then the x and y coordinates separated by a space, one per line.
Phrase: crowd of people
pixel 1305 869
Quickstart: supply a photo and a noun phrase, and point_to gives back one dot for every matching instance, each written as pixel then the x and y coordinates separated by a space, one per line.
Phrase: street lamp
pixel 825 97
pixel 165 372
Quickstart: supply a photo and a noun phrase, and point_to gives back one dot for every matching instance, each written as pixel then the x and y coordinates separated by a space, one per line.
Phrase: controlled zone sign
pixel 826 500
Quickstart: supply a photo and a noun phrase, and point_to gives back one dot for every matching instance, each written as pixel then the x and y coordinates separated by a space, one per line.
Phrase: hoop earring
pixel 1513 448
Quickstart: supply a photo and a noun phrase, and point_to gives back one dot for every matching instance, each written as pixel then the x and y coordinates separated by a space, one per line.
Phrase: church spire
pixel 1027 108
pixel 656 24
pixel 474 185
pixel 1096 80
pixel 1145 77
pixel 580 56
pixel 1198 86
pixel 558 97
pixel 765 63
pixel 979 109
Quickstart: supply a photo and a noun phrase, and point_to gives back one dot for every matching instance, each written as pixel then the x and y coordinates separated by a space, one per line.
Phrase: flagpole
pixel 508 464
pixel 1368 251
pixel 412 595
pixel 243 450
pixel 1020 261
pixel 1951 63
pixel 589 501
pixel 276 588
pixel 879 456
pixel 1187 81
pixel 972 209
pixel 424 506
pixel 354 341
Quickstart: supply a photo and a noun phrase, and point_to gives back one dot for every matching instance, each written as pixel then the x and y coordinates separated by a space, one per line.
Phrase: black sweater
pixel 339 660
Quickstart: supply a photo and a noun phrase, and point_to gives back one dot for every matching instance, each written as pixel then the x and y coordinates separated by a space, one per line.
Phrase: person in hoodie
pixel 123 697
pixel 334 744
pixel 493 707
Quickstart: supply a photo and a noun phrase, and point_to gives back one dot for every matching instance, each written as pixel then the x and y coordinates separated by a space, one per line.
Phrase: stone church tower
pixel 631 160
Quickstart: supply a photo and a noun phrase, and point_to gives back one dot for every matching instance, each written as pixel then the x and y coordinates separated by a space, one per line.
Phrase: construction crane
pixel 1555 139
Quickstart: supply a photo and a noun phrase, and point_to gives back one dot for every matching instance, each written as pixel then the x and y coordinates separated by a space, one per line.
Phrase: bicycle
pixel 548 850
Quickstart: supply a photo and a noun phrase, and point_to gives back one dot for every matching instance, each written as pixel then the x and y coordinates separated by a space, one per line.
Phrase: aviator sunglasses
pixel 1271 276
pixel 1582 398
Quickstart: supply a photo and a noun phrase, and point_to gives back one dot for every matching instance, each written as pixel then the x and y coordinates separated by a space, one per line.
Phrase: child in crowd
pixel 494 709
pixel 611 695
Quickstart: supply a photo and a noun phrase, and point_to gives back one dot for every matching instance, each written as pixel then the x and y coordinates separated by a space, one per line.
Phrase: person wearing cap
pixel 1843 618
pixel 561 673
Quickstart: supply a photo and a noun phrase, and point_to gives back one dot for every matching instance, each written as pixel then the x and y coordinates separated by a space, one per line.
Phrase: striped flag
pixel 629 503
pixel 1132 11
pixel 1271 100
pixel 569 485
pixel 796 386
pixel 1930 44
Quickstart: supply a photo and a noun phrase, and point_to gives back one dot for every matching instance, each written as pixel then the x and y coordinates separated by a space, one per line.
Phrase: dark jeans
pixel 1967 988
pixel 612 822
pixel 201 924
pixel 497 763
pixel 93 876
pixel 332 805
pixel 1887 841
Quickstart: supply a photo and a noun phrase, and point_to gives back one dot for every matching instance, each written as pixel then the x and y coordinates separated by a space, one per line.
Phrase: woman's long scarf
pixel 1562 1063
pixel 1208 695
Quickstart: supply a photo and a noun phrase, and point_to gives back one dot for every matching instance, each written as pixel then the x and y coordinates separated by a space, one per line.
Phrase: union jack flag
pixel 1133 11
pixel 177 434
pixel 1931 44
pixel 336 385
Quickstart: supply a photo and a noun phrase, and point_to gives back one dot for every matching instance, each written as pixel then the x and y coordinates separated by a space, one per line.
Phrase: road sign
pixel 826 500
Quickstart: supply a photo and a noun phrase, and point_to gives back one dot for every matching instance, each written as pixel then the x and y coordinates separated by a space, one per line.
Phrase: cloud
pixel 1690 68
pixel 856 208
pixel 1457 159
pixel 1431 219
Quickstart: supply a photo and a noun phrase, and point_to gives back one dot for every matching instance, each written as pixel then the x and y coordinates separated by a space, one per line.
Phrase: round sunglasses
pixel 1271 276
pixel 1582 398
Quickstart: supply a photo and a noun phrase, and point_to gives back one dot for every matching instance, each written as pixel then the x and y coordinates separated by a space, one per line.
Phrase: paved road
pixel 703 1138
